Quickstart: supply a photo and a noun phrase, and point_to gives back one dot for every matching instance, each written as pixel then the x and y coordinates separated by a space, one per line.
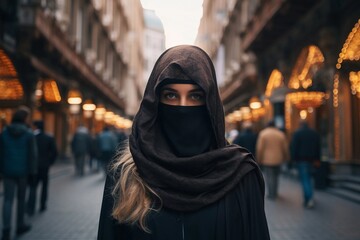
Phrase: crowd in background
pixel 26 155
pixel 272 150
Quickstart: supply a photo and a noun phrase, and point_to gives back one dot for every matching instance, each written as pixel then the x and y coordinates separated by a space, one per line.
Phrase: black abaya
pixel 238 215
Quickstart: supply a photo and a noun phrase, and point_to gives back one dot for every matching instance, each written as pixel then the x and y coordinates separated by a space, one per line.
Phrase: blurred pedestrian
pixel 107 143
pixel 121 137
pixel 80 146
pixel 247 138
pixel 179 178
pixel 18 160
pixel 271 152
pixel 94 160
pixel 305 152
pixel 46 157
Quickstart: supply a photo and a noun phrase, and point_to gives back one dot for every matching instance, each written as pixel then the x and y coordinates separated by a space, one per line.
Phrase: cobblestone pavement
pixel 332 218
pixel 74 205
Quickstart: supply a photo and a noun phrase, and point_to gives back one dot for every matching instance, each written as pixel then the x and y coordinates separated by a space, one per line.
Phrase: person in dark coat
pixel 46 157
pixel 305 148
pixel 80 146
pixel 247 138
pixel 18 160
pixel 107 142
pixel 179 178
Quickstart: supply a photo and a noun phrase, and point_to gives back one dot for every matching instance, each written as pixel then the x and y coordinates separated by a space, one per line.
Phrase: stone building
pixel 154 41
pixel 70 62
pixel 295 60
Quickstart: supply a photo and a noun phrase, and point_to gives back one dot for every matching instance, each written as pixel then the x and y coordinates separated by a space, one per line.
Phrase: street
pixel 74 205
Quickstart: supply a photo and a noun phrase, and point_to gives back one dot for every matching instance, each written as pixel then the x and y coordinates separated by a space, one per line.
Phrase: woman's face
pixel 182 95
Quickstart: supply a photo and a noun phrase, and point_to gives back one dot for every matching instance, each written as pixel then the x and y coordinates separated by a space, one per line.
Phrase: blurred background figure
pixel 271 152
pixel 80 146
pixel 18 161
pixel 231 135
pixel 94 161
pixel 107 143
pixel 121 137
pixel 306 151
pixel 247 138
pixel 47 153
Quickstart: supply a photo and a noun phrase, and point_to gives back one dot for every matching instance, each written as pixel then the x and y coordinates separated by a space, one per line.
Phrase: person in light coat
pixel 272 152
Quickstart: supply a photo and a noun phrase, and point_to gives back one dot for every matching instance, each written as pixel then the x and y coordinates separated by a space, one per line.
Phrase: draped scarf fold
pixel 185 183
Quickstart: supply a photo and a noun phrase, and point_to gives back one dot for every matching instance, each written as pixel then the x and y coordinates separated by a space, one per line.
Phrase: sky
pixel 180 18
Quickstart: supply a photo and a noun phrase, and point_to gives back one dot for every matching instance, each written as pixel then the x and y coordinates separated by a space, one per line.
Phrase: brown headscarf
pixel 185 183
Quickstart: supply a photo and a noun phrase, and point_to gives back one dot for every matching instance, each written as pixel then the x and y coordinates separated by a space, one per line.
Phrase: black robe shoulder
pixel 238 215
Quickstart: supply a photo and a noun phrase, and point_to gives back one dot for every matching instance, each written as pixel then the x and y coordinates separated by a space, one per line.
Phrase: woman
pixel 178 178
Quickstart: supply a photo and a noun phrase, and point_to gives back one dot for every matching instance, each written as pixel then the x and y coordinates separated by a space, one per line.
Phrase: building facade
pixel 69 62
pixel 154 41
pixel 297 60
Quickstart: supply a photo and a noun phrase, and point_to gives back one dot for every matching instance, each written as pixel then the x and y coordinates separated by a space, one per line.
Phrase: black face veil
pixel 187 181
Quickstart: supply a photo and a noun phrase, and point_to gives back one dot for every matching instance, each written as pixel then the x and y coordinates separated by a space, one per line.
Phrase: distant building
pixel 154 41
pixel 71 62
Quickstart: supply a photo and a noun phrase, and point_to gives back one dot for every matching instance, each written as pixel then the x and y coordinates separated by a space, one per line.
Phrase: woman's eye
pixel 170 96
pixel 197 97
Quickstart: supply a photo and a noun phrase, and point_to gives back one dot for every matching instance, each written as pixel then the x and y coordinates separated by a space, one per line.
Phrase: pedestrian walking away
pixel 247 138
pixel 178 178
pixel 305 152
pixel 107 141
pixel 80 146
pixel 18 161
pixel 46 157
pixel 272 151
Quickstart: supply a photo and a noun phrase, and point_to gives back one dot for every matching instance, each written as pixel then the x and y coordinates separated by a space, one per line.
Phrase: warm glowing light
pixel 303 114
pixel 89 105
pixel 74 97
pixel 308 62
pixel 255 103
pixel 351 47
pixel 51 91
pixel 304 100
pixel 275 81
pixel 10 86
pixel 7 69
pixel 245 113
pixel 336 91
pixel 257 113
pixel 354 78
pixel 11 89
pixel 74 108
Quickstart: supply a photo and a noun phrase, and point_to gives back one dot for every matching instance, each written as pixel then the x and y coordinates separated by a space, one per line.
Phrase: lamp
pixel 89 105
pixel 100 112
pixel 354 78
pixel 306 99
pixel 74 97
pixel 255 103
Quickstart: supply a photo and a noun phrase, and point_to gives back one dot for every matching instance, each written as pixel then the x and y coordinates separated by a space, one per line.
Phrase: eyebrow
pixel 197 89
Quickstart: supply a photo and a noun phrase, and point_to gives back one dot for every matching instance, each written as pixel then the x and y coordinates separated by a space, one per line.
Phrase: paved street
pixel 74 207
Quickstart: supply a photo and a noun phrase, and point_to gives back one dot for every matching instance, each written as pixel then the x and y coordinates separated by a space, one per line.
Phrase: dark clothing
pixel 192 182
pixel 305 149
pixel 80 146
pixel 238 215
pixel 47 150
pixel 107 143
pixel 212 194
pixel 305 145
pixel 247 139
pixel 14 186
pixel 18 151
pixel 18 160
pixel 47 156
